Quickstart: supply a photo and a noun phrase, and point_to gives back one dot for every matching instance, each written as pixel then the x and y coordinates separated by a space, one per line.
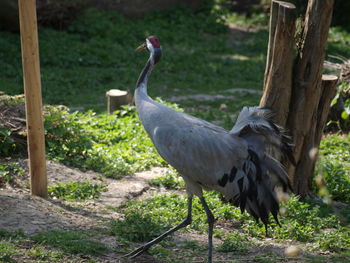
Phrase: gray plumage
pixel 237 163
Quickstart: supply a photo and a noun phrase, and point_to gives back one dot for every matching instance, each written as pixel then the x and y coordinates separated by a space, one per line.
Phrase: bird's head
pixel 152 44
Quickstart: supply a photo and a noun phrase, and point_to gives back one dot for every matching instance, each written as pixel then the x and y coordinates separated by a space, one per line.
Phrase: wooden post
pixel 280 60
pixel 116 98
pixel 32 90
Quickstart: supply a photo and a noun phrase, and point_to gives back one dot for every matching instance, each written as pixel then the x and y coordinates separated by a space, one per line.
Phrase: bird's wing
pixel 198 149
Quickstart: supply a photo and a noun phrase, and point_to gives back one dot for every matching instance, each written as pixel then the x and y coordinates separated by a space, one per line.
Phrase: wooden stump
pixel 280 59
pixel 309 152
pixel 116 98
pixel 307 90
pixel 294 87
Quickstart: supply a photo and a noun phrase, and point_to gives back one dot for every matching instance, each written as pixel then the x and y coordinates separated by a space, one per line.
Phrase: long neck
pixel 141 85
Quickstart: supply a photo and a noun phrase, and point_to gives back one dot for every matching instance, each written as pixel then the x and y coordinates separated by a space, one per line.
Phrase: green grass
pixel 171 180
pixel 76 191
pixel 51 246
pixel 114 145
pixel 236 243
pixel 316 225
pixel 79 65
pixel 72 242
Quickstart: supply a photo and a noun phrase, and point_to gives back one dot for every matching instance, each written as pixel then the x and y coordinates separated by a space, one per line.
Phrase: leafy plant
pixel 8 171
pixel 340 111
pixel 137 227
pixel 76 191
pixel 337 181
pixel 114 145
pixel 7 144
pixel 333 167
pixel 236 243
pixel 334 240
pixel 303 221
pixel 170 180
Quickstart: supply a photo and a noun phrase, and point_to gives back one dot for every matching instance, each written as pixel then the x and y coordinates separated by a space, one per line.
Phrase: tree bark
pixel 293 86
pixel 280 59
pixel 307 90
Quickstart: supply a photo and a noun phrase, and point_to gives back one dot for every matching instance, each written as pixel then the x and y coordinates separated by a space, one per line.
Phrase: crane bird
pixel 236 163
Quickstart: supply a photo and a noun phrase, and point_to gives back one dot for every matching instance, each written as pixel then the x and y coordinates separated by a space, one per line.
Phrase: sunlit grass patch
pixel 114 145
pixel 74 242
pixel 236 243
pixel 41 253
pixel 76 191
pixel 138 227
pixel 7 250
pixel 306 222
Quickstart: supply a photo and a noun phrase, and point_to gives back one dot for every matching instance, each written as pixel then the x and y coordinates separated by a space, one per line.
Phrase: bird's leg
pixel 186 222
pixel 210 228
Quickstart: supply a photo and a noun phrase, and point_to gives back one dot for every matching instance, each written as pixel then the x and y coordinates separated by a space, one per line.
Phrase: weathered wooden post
pixel 294 86
pixel 32 90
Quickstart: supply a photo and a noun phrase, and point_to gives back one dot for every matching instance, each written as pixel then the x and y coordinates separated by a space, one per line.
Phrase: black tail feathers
pixel 259 198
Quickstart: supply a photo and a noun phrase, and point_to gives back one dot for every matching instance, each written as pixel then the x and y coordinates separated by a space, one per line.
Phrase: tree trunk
pixel 295 90
pixel 280 59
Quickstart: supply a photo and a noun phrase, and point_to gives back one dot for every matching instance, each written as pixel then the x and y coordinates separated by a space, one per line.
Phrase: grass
pixel 76 191
pixel 72 242
pixel 101 56
pixel 315 226
pixel 109 144
pixel 171 180
pixel 51 246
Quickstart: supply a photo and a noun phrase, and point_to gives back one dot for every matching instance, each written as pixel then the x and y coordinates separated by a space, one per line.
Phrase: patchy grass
pixel 114 145
pixel 315 225
pixel 171 180
pixel 236 243
pixel 52 246
pixel 76 191
pixel 72 242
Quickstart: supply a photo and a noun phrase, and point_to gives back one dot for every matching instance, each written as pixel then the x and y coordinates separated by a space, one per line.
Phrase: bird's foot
pixel 137 252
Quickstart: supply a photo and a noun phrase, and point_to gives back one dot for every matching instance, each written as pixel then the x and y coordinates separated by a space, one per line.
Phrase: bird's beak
pixel 141 47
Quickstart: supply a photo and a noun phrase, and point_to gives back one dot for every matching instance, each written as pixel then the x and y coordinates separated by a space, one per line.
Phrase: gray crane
pixel 236 163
